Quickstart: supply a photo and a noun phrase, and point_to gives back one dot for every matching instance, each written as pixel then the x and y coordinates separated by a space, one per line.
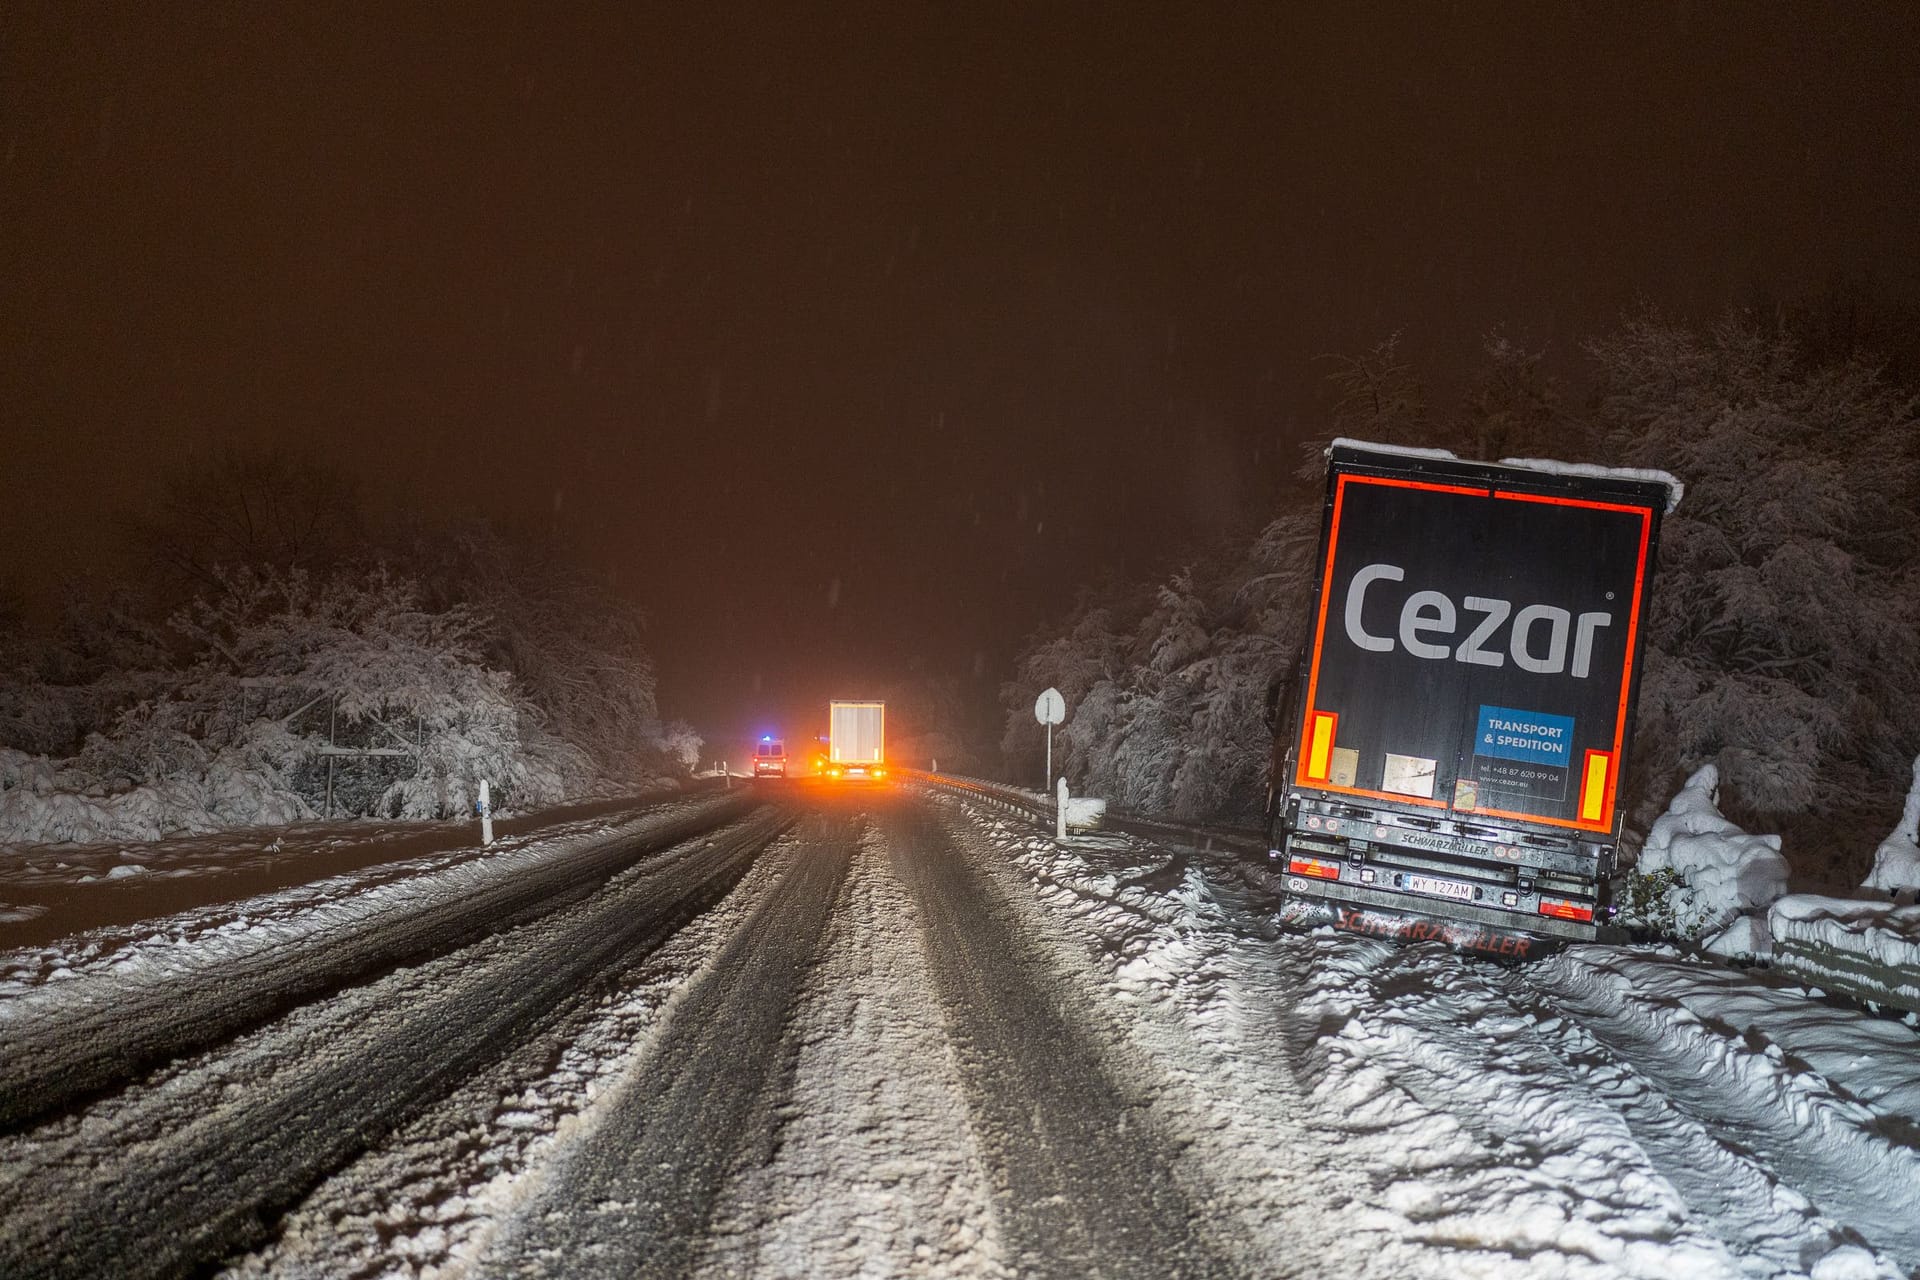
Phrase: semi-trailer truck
pixel 1448 748
pixel 856 739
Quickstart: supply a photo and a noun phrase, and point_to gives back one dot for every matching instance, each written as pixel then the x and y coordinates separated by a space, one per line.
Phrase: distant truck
pixel 1448 750
pixel 856 740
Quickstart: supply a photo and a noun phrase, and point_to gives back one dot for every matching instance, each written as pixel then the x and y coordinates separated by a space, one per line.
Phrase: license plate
pixel 1440 888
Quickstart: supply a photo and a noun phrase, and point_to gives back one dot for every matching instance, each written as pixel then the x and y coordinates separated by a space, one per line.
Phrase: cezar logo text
pixel 1428 617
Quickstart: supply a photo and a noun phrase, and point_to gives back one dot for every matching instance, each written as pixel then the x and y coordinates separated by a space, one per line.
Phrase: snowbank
pixel 18 769
pixel 1675 488
pixel 1726 871
pixel 1896 863
pixel 1890 935
pixel 1084 813
pixel 1868 949
pixel 1449 1116
pixel 43 803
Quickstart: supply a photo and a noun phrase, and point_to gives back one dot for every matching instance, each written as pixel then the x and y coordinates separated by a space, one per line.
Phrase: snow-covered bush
pixel 1697 870
pixel 36 716
pixel 1896 863
pixel 227 789
pixel 19 770
pixel 56 689
pixel 679 742
pixel 148 743
pixel 1660 903
pixel 282 669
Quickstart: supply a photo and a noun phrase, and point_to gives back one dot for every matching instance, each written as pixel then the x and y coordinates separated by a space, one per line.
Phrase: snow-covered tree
pixel 357 653
pixel 493 661
pixel 1785 637
pixel 103 656
pixel 1378 397
pixel 259 510
pixel 1513 408
pixel 1164 687
pixel 576 648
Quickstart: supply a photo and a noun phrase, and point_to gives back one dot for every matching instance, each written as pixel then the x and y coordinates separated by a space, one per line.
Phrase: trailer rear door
pixel 857 732
pixel 1476 642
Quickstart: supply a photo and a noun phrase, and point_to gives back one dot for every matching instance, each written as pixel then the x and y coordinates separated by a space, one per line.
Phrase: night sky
pixel 848 340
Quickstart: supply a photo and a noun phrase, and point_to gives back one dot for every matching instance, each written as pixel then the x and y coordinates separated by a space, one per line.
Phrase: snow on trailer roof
pixel 1587 470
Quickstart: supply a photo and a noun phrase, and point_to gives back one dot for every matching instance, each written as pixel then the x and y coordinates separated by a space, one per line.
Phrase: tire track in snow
pixel 1426 1147
pixel 633 1195
pixel 67 1041
pixel 1085 1178
pixel 178 1171
pixel 429 1199
pixel 876 1173
pixel 1506 1157
pixel 1202 1007
pixel 1775 1230
pixel 1777 1114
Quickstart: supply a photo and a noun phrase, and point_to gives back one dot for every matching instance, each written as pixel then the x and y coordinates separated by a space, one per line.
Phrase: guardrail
pixel 1040 809
pixel 1247 843
pixel 1012 799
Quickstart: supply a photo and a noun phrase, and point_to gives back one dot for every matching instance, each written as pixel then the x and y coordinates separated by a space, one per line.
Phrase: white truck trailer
pixel 856 739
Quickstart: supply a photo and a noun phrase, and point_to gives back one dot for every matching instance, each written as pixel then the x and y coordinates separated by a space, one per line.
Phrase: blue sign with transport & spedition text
pixel 1532 736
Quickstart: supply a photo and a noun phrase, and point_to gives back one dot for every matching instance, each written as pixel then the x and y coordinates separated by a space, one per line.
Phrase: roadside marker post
pixel 1050 709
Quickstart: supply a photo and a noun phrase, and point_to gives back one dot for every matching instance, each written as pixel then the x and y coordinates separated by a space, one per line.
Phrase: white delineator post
pixel 486 815
pixel 1060 811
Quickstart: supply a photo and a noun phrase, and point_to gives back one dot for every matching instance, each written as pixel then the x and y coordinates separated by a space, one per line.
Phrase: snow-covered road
pixel 883 1034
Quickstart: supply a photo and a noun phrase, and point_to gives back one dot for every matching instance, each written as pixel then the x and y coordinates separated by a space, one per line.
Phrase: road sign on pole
pixel 1050 709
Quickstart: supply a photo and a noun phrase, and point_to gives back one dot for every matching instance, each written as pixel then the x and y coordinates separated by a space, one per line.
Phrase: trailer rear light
pixel 1320 745
pixel 879 773
pixel 1593 785
pixel 1560 909
pixel 1314 867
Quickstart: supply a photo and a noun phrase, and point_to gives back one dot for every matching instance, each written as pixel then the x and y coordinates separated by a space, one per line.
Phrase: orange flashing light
pixel 1313 867
pixel 1593 785
pixel 1320 745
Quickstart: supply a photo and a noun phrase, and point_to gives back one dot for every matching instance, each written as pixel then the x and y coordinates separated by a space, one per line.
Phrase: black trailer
pixel 1448 763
